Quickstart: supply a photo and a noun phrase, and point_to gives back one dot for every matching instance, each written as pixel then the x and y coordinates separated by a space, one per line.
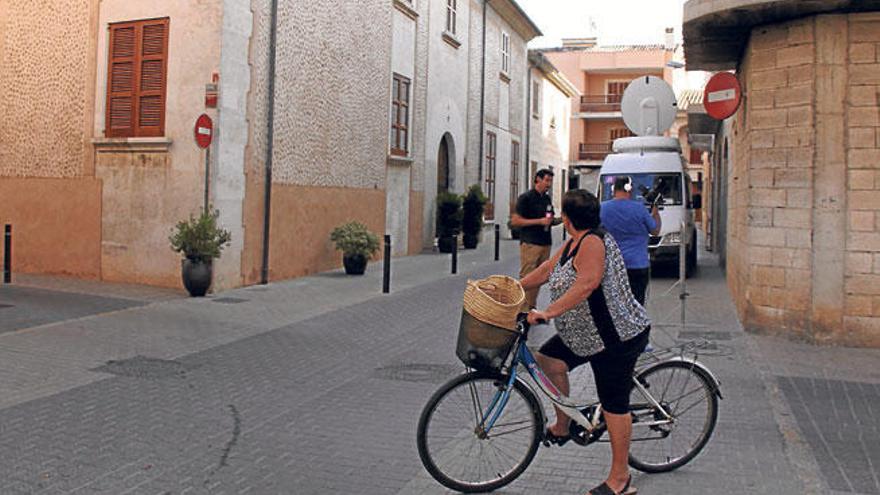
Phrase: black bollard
pixel 7 255
pixel 386 275
pixel 454 254
pixel 497 241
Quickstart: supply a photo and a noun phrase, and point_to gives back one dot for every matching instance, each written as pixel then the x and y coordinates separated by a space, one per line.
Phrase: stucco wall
pixel 549 144
pixel 146 193
pixel 505 108
pixel 333 73
pixel 446 104
pixel 316 211
pixel 56 226
pixel 804 238
pixel 46 87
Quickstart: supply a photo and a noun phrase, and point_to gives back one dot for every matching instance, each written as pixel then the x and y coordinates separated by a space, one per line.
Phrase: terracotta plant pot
pixel 196 276
pixel 354 264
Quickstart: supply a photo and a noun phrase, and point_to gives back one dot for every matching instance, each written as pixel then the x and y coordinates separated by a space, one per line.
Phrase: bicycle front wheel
pixel 453 446
pixel 689 396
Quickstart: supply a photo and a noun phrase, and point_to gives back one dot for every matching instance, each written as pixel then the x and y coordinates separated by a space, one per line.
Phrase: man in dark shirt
pixel 533 217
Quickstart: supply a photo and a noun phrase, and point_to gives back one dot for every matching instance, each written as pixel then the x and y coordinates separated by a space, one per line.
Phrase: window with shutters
pixel 400 115
pixel 505 52
pixel 614 91
pixel 451 13
pixel 514 174
pixel 136 79
pixel 489 176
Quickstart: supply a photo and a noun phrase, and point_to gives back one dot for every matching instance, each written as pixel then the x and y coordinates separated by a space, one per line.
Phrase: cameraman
pixel 631 225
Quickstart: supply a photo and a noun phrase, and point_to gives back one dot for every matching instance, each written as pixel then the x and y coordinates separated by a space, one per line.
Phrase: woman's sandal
pixel 551 438
pixel 604 489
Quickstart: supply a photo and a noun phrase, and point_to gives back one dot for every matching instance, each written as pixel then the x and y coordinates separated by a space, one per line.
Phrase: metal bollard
pixel 454 254
pixel 7 255
pixel 497 241
pixel 386 269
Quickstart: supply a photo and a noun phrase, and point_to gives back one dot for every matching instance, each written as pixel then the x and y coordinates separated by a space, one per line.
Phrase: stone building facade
pixel 601 74
pixel 803 222
pixel 93 178
pixel 549 126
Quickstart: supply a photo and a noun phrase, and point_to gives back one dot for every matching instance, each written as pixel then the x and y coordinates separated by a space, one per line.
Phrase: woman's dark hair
pixel 582 209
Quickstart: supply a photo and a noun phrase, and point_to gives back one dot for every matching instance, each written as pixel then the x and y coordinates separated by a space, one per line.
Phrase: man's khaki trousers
pixel 530 257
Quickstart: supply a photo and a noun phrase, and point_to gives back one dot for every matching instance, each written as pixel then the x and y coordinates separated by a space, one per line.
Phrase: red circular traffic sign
pixel 722 95
pixel 204 131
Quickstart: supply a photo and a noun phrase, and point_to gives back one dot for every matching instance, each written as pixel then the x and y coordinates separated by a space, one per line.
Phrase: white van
pixel 655 165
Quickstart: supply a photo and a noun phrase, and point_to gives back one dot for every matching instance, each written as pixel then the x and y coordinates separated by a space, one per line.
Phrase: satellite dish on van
pixel 648 106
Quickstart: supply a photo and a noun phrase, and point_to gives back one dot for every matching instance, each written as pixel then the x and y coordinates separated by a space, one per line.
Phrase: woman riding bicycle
pixel 598 320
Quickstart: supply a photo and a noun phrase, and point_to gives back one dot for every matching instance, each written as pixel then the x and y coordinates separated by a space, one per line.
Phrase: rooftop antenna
pixel 648 106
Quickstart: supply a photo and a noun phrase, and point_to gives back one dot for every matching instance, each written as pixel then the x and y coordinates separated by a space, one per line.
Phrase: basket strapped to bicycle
pixel 488 321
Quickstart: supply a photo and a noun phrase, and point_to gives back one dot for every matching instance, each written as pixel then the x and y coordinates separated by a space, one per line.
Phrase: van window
pixel 667 184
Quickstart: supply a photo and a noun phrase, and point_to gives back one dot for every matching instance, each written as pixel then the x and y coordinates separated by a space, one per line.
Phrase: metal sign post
pixel 682 271
pixel 204 134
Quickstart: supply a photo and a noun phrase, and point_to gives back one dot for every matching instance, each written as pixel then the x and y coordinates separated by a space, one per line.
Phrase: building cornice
pixel 543 64
pixel 716 31
pixel 511 12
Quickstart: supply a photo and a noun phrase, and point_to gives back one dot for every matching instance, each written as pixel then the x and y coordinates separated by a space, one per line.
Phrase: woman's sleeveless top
pixel 610 315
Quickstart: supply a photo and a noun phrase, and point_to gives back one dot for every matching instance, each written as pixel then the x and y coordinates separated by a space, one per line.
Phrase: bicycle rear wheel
pixel 454 450
pixel 688 394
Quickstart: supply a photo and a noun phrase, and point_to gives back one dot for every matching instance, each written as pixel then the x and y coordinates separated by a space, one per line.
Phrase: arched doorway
pixel 445 162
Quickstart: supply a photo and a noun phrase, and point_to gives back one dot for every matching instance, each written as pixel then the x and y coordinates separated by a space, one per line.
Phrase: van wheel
pixel 691 260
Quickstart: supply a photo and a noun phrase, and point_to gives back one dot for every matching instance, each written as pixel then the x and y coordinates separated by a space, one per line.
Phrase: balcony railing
pixel 593 151
pixel 600 103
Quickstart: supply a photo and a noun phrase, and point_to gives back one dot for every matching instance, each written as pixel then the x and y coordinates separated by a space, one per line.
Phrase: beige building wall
pixel 331 130
pixel 505 108
pixel 50 195
pixel 149 184
pixel 549 134
pixel 804 217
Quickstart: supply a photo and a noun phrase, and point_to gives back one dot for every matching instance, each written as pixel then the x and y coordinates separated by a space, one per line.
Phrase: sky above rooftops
pixel 614 22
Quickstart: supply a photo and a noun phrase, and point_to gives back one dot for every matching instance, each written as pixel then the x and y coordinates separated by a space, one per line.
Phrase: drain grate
pixel 708 335
pixel 423 373
pixel 144 367
pixel 229 300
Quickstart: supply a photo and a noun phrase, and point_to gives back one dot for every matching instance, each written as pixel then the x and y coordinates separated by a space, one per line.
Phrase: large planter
pixel 355 264
pixel 196 276
pixel 445 244
pixel 470 241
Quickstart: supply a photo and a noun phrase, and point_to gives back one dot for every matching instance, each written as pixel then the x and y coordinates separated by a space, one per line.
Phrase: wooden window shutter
pixel 137 79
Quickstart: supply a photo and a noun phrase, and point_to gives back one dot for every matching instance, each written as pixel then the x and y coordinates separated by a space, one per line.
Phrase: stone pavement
pixel 315 385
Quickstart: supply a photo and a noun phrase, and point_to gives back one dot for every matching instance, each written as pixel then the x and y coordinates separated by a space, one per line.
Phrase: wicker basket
pixel 481 345
pixel 488 321
pixel 495 300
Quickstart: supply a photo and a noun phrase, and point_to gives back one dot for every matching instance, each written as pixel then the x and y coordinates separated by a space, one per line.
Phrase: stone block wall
pixel 804 229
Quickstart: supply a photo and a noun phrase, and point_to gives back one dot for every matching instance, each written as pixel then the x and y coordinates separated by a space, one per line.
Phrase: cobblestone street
pixel 315 386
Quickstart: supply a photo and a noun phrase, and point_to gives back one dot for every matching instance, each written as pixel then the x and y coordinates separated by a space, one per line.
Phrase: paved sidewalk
pixel 315 386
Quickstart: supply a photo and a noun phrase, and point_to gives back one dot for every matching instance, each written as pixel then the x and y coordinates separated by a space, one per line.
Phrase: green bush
pixel 199 238
pixel 473 203
pixel 354 238
pixel 448 214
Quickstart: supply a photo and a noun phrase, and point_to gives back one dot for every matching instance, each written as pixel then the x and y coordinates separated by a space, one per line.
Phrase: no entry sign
pixel 722 95
pixel 204 131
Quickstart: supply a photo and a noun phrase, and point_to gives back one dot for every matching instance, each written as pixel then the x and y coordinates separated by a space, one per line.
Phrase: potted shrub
pixel 200 240
pixel 472 216
pixel 448 220
pixel 357 245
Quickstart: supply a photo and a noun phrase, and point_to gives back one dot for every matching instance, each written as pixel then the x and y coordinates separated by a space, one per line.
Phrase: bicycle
pixel 481 430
